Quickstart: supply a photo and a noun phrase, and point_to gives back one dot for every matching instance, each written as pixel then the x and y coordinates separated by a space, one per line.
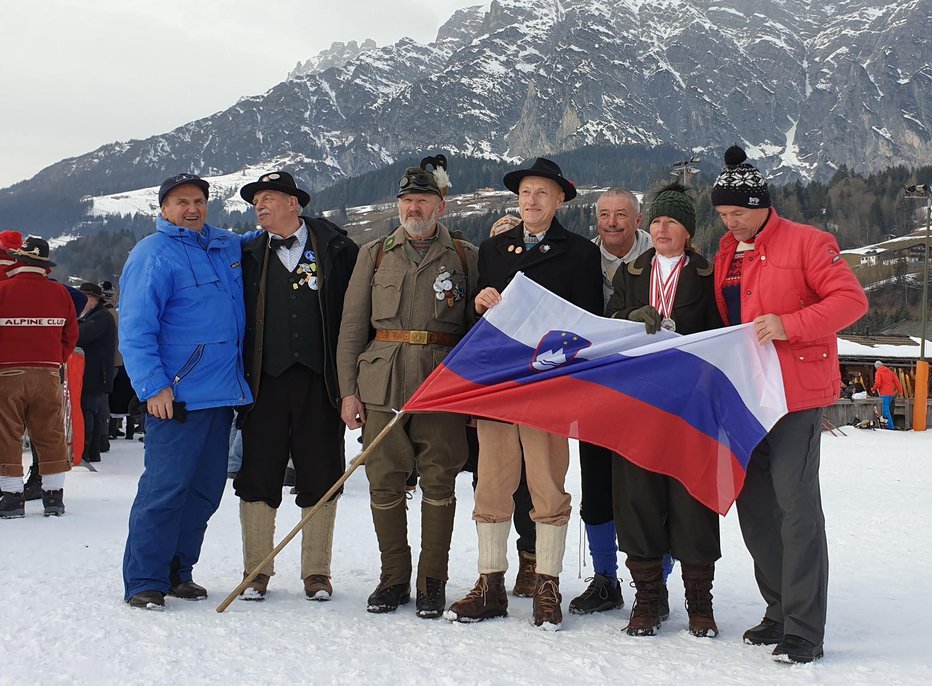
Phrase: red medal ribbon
pixel 663 291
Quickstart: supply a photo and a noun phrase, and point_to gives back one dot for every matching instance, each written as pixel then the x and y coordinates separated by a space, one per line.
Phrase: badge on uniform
pixel 446 289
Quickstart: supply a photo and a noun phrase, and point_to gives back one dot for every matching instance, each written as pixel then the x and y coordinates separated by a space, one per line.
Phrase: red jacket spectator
pixel 886 382
pixel 37 318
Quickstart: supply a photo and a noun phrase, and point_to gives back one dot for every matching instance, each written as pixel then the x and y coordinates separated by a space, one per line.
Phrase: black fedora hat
pixel 279 181
pixel 180 180
pixel 544 168
pixel 34 251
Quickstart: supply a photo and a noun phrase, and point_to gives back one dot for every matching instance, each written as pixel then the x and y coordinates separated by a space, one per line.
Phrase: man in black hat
pixel 295 274
pixel 38 331
pixel 98 341
pixel 414 288
pixel 568 265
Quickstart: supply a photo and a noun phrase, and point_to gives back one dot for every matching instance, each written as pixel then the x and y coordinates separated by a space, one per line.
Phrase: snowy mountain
pixel 805 86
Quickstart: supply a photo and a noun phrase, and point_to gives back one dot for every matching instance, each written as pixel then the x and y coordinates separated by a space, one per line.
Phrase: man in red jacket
pixel 789 280
pixel 886 385
pixel 38 331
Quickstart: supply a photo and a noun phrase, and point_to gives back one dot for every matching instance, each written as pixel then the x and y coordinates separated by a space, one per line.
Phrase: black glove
pixel 647 314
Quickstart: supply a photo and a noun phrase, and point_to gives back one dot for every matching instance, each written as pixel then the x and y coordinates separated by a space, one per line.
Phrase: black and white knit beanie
pixel 739 183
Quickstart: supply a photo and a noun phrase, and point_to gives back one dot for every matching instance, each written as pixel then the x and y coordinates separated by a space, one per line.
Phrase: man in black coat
pixel 295 275
pixel 98 337
pixel 568 265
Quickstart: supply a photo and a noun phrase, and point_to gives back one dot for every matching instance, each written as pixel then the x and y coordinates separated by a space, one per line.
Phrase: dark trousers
pixel 654 514
pixel 780 512
pixel 595 468
pixel 185 473
pixel 292 418
pixel 96 411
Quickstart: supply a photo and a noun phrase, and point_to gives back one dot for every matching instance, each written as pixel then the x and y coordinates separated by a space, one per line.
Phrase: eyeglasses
pixel 420 180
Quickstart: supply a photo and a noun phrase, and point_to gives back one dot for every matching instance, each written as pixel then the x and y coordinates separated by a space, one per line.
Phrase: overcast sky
pixel 77 74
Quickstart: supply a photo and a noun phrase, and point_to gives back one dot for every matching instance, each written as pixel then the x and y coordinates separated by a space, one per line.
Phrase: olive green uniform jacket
pixel 401 295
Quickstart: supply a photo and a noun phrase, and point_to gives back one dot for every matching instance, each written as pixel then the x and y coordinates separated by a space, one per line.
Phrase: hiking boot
pixel 388 598
pixel 53 503
pixel 318 587
pixel 526 580
pixel 187 590
pixel 603 594
pixel 697 582
pixel 769 632
pixel 257 587
pixel 32 490
pixel 430 603
pixel 12 506
pixel 797 649
pixel 148 600
pixel 647 577
pixel 547 599
pixel 488 599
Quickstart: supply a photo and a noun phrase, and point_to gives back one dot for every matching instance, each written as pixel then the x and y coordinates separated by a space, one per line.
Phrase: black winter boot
pixel 12 506
pixel 32 490
pixel 53 503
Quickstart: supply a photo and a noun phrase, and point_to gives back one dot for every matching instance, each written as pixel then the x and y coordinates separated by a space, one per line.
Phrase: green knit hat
pixel 672 201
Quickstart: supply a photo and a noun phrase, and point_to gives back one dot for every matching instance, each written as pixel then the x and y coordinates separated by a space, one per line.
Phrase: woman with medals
pixel 669 287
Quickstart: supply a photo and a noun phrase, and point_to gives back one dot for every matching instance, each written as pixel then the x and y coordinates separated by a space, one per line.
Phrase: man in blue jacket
pixel 181 331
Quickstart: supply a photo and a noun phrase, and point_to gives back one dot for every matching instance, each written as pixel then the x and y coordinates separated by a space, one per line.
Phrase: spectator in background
pixel 98 341
pixel 887 386
pixel 38 331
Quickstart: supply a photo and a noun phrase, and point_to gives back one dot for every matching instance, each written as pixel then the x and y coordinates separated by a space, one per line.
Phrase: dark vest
pixel 293 332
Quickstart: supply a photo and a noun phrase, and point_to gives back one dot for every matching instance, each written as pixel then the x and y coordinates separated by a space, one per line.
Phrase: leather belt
pixel 417 337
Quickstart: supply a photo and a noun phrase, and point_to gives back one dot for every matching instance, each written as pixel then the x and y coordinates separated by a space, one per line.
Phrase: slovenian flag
pixel 692 407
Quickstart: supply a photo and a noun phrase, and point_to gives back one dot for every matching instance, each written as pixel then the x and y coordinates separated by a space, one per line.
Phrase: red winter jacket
pixel 795 272
pixel 38 324
pixel 885 382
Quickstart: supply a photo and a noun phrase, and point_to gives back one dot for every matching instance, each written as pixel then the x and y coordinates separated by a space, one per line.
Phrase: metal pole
pixel 925 281
pixel 921 392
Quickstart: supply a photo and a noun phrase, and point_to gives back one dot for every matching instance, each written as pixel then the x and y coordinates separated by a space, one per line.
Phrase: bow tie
pixel 275 243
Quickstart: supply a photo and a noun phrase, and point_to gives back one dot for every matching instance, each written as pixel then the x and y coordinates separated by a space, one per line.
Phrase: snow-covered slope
pixel 63 599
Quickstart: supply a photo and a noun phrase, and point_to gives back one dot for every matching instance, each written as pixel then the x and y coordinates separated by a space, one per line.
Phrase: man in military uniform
pixel 414 289
pixel 295 274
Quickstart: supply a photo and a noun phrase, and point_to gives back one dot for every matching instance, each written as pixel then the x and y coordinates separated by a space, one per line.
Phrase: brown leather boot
pixel 318 587
pixel 487 600
pixel 547 612
pixel 648 580
pixel 526 580
pixel 697 580
pixel 257 588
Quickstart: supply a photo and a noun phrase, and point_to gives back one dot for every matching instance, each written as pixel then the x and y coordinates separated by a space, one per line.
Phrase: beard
pixel 420 228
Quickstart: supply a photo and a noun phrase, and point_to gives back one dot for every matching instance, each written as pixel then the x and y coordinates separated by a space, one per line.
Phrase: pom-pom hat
pixel 739 183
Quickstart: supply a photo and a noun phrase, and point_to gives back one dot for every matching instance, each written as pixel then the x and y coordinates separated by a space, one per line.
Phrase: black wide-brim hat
pixel 547 169
pixel 34 251
pixel 279 181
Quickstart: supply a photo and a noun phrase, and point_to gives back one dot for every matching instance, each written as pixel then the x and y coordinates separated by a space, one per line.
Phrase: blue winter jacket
pixel 182 317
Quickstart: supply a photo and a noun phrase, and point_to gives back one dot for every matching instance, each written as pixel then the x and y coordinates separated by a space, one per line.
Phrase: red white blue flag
pixel 692 407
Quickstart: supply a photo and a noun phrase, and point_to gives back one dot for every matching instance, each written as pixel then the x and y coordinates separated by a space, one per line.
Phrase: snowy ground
pixel 67 623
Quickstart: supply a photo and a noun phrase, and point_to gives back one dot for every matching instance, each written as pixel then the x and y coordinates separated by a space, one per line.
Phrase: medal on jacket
pixel 445 289
pixel 308 271
pixel 663 291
